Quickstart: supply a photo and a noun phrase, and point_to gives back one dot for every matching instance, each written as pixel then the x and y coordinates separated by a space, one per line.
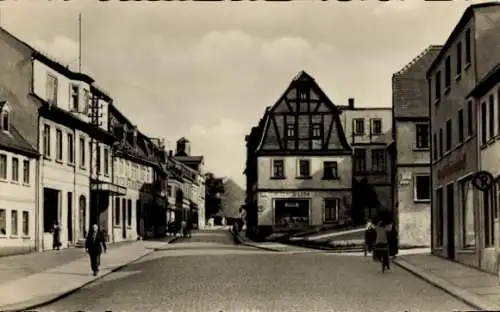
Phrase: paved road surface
pixel 209 273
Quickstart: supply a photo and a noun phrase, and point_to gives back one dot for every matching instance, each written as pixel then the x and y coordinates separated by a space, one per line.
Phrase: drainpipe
pixel 38 183
pixel 431 158
pixel 74 190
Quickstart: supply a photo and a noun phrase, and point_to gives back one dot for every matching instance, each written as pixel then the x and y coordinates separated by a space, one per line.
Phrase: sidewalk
pixel 44 285
pixel 476 288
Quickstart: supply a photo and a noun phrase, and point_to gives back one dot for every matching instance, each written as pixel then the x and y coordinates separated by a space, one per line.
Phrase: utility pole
pixel 80 42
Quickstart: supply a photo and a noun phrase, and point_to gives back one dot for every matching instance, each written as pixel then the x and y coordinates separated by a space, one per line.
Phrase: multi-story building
pixel 410 132
pixel 302 162
pixel 368 131
pixel 486 96
pixel 18 181
pixel 467 56
pixel 183 155
pixel 137 169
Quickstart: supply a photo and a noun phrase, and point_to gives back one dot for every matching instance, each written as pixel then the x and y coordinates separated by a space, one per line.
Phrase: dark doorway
pixel 138 216
pixel 50 208
pixel 69 219
pixel 179 205
pixel 450 216
pixel 291 212
pixel 82 216
pixel 124 218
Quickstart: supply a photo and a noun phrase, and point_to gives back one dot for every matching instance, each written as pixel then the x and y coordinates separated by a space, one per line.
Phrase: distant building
pixel 302 160
pixel 411 187
pixel 196 163
pixel 368 131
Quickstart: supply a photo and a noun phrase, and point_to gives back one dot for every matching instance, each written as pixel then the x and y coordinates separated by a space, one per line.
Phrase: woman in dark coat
pixel 393 241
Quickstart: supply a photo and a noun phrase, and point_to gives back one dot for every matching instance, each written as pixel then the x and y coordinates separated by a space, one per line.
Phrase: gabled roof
pixel 183 140
pixel 14 142
pixel 410 90
pixel 468 14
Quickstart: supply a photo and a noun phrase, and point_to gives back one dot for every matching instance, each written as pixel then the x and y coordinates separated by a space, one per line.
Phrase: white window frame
pixel 355 128
pixel 273 165
pixel 299 175
pixel 72 93
pixel 14 174
pixel 51 94
pixel 59 145
pixel 337 209
pixel 6 164
pixel 415 198
pixel 372 126
pixel 5 112
pixel 70 151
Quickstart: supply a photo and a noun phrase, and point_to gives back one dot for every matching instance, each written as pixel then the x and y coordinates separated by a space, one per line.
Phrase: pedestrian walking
pixel 369 237
pixel 184 228
pixel 382 245
pixel 95 244
pixel 56 236
pixel 141 229
pixel 393 241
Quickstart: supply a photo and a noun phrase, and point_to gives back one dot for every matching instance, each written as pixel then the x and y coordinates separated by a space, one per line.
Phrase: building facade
pixel 18 181
pixel 464 59
pixel 410 132
pixel 368 131
pixel 303 161
pixel 486 97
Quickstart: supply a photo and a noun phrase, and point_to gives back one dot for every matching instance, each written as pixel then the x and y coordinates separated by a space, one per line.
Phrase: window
pixel 448 135
pixel 332 209
pixel 26 223
pixel 378 160
pixel 51 91
pixel 26 172
pixel 15 169
pixel 278 168
pixel 376 126
pixel 439 217
pixel 489 219
pixel 5 120
pixel 71 149
pixel 169 190
pixel 290 130
pixel 75 97
pixel 59 145
pixel 316 130
pixel 467 213
pixel 441 142
pixel 460 125
pixel 304 168
pixel 82 152
pixel 469 118
pixel 437 86
pixel 359 126
pixel 435 147
pixel 459 58
pixel 3 166
pixel 422 188
pixel 484 134
pixel 13 223
pixel 86 101
pixel 330 170
pixel 447 74
pixel 467 46
pixel 106 161
pixel 422 133
pixel 491 115
pixel 117 210
pixel 359 160
pixel 302 94
pixel 98 159
pixel 3 222
pixel 46 140
pixel 129 212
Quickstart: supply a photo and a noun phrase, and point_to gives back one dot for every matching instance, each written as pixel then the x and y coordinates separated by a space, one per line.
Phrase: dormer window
pixel 5 117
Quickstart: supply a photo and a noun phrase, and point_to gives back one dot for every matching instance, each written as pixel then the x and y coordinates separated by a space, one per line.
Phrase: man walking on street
pixel 95 245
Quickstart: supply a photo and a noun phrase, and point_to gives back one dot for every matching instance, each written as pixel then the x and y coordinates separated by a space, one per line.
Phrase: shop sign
pixel 405 178
pixel 482 180
pixel 292 194
pixel 452 168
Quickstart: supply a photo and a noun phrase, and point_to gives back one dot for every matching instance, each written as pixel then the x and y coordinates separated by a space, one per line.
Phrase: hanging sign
pixel 482 180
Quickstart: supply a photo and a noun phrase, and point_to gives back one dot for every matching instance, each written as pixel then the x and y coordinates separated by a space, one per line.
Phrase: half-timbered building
pixel 303 161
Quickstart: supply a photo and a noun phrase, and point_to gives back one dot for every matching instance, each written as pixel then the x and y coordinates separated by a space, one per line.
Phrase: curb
pixel 40 302
pixel 457 292
pixel 241 242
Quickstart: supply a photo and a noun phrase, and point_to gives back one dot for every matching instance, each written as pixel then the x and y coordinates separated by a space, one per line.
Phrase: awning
pixel 112 188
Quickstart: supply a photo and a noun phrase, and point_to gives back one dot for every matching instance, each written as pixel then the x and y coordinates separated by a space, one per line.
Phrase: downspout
pixel 74 196
pixel 113 150
pixel 429 100
pixel 38 184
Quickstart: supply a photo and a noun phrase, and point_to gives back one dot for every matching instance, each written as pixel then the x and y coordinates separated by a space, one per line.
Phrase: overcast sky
pixel 207 71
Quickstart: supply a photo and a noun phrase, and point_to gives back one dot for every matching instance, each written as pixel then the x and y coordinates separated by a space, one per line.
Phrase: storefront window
pixel 467 213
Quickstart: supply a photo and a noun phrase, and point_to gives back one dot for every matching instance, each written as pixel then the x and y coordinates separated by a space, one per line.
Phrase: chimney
pixel 351 103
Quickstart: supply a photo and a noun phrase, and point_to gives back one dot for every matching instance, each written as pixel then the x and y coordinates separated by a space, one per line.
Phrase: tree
pixel 214 189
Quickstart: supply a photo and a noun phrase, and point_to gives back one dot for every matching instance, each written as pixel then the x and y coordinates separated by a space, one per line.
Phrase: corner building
pixel 304 163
